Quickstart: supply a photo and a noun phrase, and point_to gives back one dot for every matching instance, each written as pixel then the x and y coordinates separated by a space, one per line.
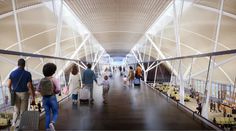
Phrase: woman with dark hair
pixel 48 88
pixel 74 83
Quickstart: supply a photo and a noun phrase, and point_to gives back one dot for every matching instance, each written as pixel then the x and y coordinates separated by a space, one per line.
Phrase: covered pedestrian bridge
pixel 186 49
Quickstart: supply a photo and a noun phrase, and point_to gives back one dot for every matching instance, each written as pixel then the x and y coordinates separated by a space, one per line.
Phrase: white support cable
pixel 178 48
pixel 140 58
pixel 216 65
pixel 98 59
pixel 139 62
pixel 37 66
pixel 190 72
pixel 17 25
pixel 79 65
pixel 85 51
pixel 59 29
pixel 83 64
pixel 208 86
pixel 30 37
pixel 96 56
pixel 231 15
pixel 150 66
pixel 161 55
pixel 74 54
pixel 21 10
pixel 53 7
pixel 188 69
pixel 197 51
pixel 91 49
pixel 156 65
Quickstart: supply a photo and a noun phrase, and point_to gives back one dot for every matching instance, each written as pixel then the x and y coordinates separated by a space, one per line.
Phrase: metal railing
pixel 194 114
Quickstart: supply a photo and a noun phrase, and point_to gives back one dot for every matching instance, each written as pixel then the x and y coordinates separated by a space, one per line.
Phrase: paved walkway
pixel 128 108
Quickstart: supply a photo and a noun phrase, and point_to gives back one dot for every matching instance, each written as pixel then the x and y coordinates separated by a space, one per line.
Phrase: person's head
pixel 131 68
pixel 105 77
pixel 49 69
pixel 89 66
pixel 21 63
pixel 75 69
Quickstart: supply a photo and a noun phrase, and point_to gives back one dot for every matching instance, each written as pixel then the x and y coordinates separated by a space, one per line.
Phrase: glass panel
pixel 227 28
pixel 197 35
pixel 229 6
pixel 7 33
pixel 36 34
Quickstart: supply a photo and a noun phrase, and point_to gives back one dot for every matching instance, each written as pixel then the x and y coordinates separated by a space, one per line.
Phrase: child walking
pixel 105 87
pixel 74 83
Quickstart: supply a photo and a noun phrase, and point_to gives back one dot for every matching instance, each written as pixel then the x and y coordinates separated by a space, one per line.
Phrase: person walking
pixel 199 108
pixel 20 81
pixel 48 88
pixel 131 76
pixel 138 72
pixel 138 76
pixel 74 83
pixel 87 80
pixel 106 86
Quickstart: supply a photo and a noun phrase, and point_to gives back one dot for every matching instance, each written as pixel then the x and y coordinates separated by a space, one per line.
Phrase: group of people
pixel 20 82
pixel 134 76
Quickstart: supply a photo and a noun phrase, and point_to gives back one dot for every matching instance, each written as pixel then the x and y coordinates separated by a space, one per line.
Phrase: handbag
pixel 13 92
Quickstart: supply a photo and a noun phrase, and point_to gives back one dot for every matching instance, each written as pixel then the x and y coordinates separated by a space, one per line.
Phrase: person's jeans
pixel 90 87
pixel 21 105
pixel 50 105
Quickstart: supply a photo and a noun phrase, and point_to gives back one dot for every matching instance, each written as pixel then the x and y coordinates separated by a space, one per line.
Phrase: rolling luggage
pixel 84 95
pixel 30 120
pixel 136 82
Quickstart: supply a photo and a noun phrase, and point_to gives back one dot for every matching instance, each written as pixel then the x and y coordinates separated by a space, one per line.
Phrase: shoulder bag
pixel 13 92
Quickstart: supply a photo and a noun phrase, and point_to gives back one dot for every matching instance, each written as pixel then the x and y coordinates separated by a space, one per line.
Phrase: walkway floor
pixel 128 108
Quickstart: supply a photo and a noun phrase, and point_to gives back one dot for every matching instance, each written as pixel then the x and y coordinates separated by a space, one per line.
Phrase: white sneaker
pixel 52 128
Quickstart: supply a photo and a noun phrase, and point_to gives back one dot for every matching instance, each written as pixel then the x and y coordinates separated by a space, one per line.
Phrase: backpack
pixel 47 87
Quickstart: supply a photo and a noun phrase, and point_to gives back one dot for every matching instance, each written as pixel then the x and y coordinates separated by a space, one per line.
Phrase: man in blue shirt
pixel 87 79
pixel 20 81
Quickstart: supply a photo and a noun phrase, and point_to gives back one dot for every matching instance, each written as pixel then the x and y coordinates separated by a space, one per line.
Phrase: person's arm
pixel 69 82
pixel 94 78
pixel 57 85
pixel 9 85
pixel 31 88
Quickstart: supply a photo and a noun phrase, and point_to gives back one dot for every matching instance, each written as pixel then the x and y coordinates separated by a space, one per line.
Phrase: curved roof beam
pixel 205 38
pixel 215 10
pixel 104 32
pixel 199 52
pixel 40 33
pixel 22 10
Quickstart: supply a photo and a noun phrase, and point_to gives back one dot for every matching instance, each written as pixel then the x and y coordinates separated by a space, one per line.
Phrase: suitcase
pixel 136 82
pixel 84 95
pixel 30 119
